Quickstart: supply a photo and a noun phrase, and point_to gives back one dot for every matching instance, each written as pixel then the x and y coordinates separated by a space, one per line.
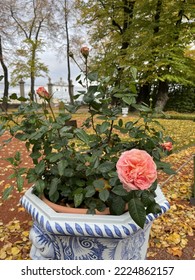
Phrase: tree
pixel 69 37
pixel 33 28
pixel 5 76
pixel 150 35
pixel 6 39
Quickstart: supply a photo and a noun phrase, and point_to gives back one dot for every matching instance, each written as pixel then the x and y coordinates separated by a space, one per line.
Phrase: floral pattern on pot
pixel 49 246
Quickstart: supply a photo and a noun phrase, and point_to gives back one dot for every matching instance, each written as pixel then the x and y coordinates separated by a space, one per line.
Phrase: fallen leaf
pixel 175 251
pixel 15 251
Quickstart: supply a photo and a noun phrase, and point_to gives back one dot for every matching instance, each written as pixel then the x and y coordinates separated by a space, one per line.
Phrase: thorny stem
pixel 86 73
pixel 110 132
pixel 54 117
pixel 51 109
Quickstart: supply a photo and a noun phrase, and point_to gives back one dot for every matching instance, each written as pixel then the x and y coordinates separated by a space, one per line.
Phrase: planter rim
pixel 121 226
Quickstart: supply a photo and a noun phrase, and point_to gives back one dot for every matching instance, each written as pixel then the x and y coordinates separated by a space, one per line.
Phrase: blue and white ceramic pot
pixel 60 236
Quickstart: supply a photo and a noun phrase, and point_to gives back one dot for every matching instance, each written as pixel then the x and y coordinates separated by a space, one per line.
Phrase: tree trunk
pixel 67 54
pixel 144 94
pixel 32 72
pixel 162 96
pixel 6 82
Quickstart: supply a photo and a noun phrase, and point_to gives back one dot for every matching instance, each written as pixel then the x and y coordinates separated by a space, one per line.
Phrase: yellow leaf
pixel 15 251
pixel 2 254
pixel 25 233
pixel 175 251
pixel 174 196
pixel 6 186
pixel 151 254
pixel 174 238
pixel 21 209
pixel 190 232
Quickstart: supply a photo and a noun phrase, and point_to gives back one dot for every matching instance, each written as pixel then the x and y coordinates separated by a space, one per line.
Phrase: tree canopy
pixel 150 35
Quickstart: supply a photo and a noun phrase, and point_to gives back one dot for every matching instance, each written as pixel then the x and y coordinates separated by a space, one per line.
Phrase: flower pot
pixel 65 236
pixel 65 209
pixel 125 111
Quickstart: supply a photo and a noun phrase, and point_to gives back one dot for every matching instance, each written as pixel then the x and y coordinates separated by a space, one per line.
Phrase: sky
pixel 57 69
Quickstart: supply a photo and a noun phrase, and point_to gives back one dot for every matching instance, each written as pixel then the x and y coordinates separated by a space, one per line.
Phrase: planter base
pixel 60 236
pixel 57 247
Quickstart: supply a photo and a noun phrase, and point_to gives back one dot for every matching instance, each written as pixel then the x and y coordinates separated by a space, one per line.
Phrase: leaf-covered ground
pixel 172 235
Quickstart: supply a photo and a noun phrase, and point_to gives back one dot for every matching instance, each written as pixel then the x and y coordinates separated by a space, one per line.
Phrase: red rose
pixel 42 92
pixel 167 146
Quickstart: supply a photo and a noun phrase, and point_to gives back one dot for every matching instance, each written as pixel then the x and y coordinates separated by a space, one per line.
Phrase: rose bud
pixel 85 51
pixel 42 92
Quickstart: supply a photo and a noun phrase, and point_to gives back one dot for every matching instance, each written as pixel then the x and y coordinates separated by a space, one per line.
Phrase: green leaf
pixel 116 200
pixel 98 184
pixel 106 166
pixel 103 127
pixel 90 191
pixel 7 192
pixel 142 108
pixel 104 195
pixel 20 183
pixel 137 211
pixel 92 76
pixel 165 166
pixel 153 208
pixel 35 155
pixel 21 136
pixel 62 164
pixel 78 198
pixel 120 122
pixel 82 135
pixel 113 180
pixel 119 190
pixel 17 156
pixel 39 186
pixel 134 72
pixel 129 100
pixel 11 160
pixel 147 198
pixel 68 172
pixel 54 157
pixel 40 167
pixel 53 186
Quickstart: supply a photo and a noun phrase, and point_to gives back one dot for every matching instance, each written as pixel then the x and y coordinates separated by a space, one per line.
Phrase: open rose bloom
pixel 42 92
pixel 136 170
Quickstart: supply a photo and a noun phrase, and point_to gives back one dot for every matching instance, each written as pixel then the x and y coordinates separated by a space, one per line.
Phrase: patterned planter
pixel 62 236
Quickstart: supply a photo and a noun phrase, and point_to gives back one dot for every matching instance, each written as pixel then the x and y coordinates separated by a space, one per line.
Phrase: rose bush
pixel 107 162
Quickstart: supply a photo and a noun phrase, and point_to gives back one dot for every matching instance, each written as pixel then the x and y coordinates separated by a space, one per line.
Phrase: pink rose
pixel 85 51
pixel 41 91
pixel 167 146
pixel 136 170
